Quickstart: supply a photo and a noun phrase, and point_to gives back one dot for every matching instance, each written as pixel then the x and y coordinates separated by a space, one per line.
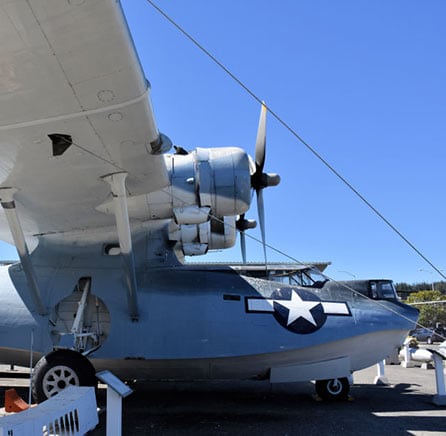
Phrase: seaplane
pixel 103 210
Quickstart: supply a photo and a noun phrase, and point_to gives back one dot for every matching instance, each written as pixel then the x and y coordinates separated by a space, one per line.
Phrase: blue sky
pixel 362 81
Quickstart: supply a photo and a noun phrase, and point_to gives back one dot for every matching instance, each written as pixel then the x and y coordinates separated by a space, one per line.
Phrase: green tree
pixel 430 313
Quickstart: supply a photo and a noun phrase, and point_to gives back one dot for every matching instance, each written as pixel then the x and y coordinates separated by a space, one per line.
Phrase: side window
pixel 374 290
pixel 387 290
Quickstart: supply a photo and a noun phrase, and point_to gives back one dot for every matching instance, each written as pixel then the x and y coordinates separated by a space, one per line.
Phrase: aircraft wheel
pixel 333 389
pixel 58 370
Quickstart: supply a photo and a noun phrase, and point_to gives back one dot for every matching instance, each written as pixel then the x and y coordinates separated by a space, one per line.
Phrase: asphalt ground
pixel 404 407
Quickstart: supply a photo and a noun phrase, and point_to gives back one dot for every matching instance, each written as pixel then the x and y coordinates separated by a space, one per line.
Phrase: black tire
pixel 58 370
pixel 333 389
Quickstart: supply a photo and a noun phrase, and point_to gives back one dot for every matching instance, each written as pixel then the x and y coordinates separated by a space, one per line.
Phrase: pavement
pixel 403 407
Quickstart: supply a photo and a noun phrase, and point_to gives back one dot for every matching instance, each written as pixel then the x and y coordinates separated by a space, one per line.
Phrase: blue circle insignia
pixel 298 310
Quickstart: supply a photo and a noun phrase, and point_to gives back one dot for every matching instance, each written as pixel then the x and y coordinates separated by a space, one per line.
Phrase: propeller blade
pixel 261 140
pixel 243 224
pixel 243 246
pixel 261 213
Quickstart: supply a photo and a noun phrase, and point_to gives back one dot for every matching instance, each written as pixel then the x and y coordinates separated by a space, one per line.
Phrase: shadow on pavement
pixel 257 409
pixel 398 410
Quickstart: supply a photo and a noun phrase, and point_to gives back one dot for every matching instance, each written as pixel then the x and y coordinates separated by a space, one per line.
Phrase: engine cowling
pixel 215 178
pixel 197 239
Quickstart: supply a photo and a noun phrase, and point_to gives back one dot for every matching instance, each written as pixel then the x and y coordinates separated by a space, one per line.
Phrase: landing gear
pixel 58 370
pixel 333 389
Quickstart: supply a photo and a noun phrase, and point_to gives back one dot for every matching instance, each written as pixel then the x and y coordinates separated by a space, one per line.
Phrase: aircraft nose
pixel 408 312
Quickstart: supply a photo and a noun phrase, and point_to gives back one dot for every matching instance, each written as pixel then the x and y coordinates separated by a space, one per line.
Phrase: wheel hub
pixel 334 387
pixel 57 379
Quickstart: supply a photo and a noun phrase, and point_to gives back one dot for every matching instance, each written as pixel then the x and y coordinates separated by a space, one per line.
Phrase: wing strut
pixel 9 207
pixel 117 184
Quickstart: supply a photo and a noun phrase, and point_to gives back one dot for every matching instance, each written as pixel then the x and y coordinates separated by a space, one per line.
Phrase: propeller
pixel 259 181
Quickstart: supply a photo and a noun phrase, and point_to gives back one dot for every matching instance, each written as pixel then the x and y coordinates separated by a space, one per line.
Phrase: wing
pixel 74 107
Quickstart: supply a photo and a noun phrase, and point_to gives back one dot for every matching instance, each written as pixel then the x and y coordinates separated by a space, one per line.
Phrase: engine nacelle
pixel 197 239
pixel 215 180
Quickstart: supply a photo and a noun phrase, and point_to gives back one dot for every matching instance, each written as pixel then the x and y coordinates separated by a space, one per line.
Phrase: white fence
pixel 72 412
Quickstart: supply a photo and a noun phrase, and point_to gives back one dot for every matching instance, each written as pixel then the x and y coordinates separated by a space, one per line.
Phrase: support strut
pixel 117 184
pixel 9 207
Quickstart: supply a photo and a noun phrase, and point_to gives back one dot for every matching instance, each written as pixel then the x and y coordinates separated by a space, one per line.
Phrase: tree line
pixel 404 289
pixel 430 314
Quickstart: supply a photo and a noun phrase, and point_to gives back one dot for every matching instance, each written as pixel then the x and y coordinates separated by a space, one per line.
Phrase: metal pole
pixel 117 185
pixel 440 398
pixel 114 413
pixel 31 367
pixel 380 378
pixel 9 207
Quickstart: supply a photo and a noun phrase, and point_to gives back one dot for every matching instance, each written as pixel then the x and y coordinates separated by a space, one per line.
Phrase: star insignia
pixel 298 308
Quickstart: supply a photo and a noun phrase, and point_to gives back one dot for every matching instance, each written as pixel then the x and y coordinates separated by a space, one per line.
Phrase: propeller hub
pixel 264 180
pixel 243 224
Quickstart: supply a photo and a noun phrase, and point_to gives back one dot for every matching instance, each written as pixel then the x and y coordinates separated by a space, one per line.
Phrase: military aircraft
pixel 103 215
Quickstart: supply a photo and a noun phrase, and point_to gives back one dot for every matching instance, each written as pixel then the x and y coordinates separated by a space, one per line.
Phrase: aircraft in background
pixel 103 215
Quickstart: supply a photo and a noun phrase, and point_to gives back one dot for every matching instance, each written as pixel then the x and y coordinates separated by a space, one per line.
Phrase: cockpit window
pixel 387 290
pixel 307 278
pixel 382 290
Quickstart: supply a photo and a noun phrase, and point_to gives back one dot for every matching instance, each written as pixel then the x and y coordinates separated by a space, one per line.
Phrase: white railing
pixel 71 412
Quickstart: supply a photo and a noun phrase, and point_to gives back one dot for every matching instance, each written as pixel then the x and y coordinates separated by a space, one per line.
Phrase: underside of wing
pixel 74 107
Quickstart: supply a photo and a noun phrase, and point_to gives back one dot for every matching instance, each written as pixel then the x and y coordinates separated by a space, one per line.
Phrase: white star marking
pixel 298 308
